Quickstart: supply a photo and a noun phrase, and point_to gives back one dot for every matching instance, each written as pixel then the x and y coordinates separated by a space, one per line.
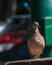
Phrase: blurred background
pixel 16 18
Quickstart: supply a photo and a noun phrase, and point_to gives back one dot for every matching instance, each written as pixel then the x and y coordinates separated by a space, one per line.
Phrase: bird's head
pixel 35 25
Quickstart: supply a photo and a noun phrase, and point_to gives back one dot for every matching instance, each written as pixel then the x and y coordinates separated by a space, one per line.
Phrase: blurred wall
pixel 6 8
pixel 41 8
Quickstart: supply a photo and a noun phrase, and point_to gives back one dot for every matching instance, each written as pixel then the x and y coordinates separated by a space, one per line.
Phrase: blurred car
pixel 13 39
pixel 13 32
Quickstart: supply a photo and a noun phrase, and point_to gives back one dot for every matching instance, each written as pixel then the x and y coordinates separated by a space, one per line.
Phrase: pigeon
pixel 36 43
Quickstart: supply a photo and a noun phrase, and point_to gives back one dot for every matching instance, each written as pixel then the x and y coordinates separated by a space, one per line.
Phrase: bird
pixel 36 43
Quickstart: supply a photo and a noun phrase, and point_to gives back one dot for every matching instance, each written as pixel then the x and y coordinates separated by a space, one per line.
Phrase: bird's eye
pixel 35 28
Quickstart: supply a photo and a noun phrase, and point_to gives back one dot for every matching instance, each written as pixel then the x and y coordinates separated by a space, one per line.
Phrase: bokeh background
pixel 15 23
pixel 17 15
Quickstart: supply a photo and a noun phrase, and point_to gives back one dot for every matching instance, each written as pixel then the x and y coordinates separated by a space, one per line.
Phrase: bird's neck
pixel 37 31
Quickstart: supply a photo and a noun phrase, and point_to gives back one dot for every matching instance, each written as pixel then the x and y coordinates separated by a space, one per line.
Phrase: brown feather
pixel 36 44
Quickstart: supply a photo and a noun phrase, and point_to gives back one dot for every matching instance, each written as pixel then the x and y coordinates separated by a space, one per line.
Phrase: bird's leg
pixel 36 56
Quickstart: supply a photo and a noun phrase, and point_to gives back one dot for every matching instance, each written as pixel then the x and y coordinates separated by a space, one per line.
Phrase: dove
pixel 36 43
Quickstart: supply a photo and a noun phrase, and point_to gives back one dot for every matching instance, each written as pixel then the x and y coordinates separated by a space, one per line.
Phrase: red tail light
pixel 1 39
pixel 18 41
pixel 7 38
